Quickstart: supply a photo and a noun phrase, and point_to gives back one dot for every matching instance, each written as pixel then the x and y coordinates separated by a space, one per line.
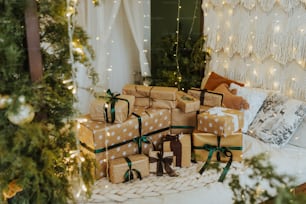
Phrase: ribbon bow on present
pixel 128 176
pixel 112 98
pixel 163 162
pixel 217 148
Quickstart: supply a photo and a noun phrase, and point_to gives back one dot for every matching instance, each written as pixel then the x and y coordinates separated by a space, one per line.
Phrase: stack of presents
pixel 155 130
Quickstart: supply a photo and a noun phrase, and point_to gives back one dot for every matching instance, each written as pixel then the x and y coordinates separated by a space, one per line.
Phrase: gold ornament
pixel 24 116
pixel 5 100
pixel 13 188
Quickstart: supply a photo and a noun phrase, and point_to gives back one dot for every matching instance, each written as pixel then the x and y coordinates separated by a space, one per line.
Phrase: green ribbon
pixel 96 151
pixel 112 99
pixel 216 148
pixel 142 138
pixel 128 175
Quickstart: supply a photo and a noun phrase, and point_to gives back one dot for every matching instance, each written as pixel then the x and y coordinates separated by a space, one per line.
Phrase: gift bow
pixel 217 148
pixel 219 111
pixel 163 160
pixel 128 176
pixel 112 99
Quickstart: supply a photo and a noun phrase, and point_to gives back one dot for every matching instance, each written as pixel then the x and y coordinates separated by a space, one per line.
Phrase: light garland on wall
pixel 249 55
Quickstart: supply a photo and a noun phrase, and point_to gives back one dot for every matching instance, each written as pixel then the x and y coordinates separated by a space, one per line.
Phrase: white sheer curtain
pixel 138 22
pixel 119 33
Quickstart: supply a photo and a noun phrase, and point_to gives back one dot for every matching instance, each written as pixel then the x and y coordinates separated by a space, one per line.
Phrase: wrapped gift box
pixel 98 136
pixel 102 156
pixel 164 160
pixel 207 98
pixel 180 145
pixel 232 142
pixel 187 103
pixel 121 168
pixel 152 96
pixel 118 108
pixel 182 122
pixel 220 121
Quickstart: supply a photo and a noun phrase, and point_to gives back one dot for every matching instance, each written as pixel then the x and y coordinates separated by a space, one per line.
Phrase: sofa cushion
pixel 278 119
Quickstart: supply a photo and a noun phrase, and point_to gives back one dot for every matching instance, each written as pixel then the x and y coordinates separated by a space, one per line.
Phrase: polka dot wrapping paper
pixel 224 124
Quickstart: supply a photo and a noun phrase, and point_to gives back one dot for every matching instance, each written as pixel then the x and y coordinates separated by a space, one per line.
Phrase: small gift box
pixel 209 147
pixel 152 96
pixel 187 103
pixel 203 143
pixel 180 145
pixel 182 122
pixel 128 168
pixel 207 98
pixel 112 108
pixel 162 162
pixel 220 121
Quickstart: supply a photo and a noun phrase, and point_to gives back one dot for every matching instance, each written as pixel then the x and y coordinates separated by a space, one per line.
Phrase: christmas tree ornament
pixel 5 100
pixel 23 116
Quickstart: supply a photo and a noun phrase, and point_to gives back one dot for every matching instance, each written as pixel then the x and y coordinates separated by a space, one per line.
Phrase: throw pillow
pixel 213 80
pixel 255 98
pixel 299 137
pixel 278 119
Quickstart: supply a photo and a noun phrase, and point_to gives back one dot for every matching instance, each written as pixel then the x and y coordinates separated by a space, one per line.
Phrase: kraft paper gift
pixel 129 168
pixel 207 98
pixel 152 96
pixel 182 122
pixel 180 145
pixel 220 121
pixel 204 142
pixel 102 156
pixel 112 108
pixel 187 103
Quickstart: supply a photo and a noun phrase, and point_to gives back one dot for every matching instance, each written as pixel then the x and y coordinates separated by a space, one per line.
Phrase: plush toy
pixel 230 99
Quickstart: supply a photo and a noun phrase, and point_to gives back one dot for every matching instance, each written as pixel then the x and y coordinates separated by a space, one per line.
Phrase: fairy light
pixel 178 74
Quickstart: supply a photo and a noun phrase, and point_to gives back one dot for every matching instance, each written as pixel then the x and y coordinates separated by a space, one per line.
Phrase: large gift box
pixel 152 96
pixel 182 122
pixel 180 145
pixel 220 121
pixel 203 143
pixel 109 141
pixel 126 169
pixel 113 108
pixel 187 103
pixel 207 98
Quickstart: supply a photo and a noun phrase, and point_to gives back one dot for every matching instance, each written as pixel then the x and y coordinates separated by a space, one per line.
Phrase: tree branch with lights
pixel 39 153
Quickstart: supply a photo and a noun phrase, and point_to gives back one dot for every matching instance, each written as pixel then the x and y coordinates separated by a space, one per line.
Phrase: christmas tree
pixel 39 153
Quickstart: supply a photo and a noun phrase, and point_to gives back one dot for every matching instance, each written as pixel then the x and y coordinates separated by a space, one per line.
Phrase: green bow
pixel 112 99
pixel 128 176
pixel 225 151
